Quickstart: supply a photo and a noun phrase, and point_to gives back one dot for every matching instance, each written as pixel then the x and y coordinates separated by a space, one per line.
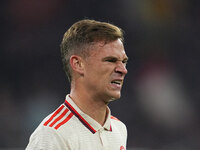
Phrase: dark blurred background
pixel 160 99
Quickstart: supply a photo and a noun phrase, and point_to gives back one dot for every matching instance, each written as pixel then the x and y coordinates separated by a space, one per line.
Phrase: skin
pixel 98 79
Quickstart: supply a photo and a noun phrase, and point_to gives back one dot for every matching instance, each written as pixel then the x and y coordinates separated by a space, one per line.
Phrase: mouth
pixel 117 83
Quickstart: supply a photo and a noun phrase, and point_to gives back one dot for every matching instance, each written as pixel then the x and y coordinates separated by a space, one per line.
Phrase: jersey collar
pixel 86 120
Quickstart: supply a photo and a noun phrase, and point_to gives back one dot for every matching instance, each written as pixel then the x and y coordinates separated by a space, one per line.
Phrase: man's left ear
pixel 76 63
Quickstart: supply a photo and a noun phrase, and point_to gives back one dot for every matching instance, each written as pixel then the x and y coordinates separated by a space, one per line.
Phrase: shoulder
pixel 118 125
pixel 61 116
pixel 45 138
pixel 48 135
pixel 117 122
pixel 114 118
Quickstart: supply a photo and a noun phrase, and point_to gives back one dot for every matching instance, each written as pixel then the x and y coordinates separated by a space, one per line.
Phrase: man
pixel 95 62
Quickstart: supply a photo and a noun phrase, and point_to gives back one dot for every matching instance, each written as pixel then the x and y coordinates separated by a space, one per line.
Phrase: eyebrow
pixel 113 57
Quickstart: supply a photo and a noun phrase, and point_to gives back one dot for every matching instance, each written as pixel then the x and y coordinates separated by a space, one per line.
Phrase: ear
pixel 76 63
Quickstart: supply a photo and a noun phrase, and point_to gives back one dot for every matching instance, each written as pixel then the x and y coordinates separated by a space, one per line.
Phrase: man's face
pixel 105 69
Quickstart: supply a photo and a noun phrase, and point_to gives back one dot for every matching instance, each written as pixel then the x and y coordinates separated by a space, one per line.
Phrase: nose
pixel 121 68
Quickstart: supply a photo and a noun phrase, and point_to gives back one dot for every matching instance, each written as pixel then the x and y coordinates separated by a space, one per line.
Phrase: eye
pixel 111 60
pixel 125 62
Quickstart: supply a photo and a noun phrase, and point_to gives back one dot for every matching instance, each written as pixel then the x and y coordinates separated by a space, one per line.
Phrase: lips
pixel 117 83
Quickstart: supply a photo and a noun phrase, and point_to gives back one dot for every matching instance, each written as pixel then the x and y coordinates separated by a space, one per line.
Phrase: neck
pixel 96 109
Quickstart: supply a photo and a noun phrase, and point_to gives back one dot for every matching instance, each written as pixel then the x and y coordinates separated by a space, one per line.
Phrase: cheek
pixel 103 73
pixel 99 72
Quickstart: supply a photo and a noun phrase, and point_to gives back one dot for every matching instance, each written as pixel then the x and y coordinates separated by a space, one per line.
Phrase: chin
pixel 114 97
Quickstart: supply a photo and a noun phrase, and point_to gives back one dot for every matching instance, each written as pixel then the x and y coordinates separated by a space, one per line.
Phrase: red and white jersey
pixel 68 128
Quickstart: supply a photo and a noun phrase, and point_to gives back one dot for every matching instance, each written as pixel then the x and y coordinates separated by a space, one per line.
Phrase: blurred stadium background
pixel 160 99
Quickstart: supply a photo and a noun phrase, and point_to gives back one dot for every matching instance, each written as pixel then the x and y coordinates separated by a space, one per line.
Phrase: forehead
pixel 114 48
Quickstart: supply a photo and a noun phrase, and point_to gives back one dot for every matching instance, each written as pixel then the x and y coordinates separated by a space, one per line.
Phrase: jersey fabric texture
pixel 68 128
